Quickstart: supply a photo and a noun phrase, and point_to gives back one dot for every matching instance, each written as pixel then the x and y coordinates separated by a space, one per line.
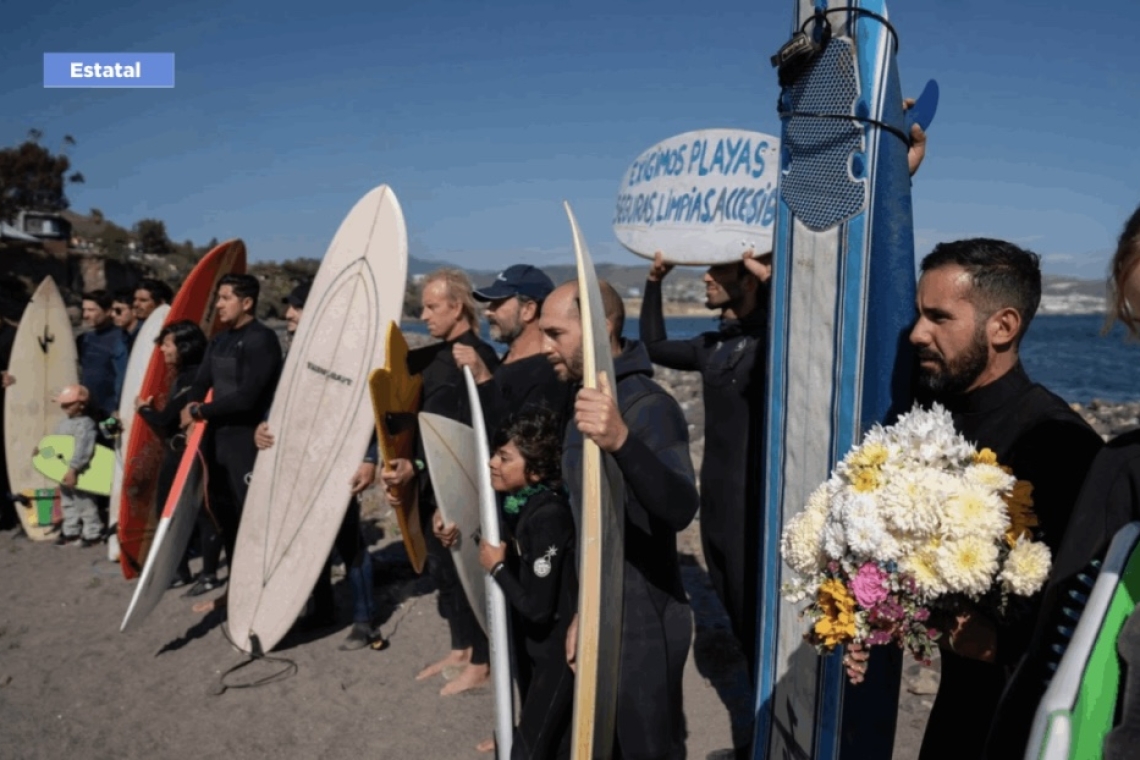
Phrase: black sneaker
pixel 181 580
pixel 64 540
pixel 87 543
pixel 204 585
pixel 359 637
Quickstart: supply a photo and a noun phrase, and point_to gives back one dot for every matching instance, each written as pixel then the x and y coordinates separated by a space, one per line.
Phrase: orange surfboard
pixel 396 398
pixel 143 453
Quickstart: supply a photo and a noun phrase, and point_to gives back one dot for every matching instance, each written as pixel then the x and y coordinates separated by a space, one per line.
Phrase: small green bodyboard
pixel 54 456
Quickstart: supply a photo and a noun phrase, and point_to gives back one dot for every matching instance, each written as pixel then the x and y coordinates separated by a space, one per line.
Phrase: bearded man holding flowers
pixel 975 301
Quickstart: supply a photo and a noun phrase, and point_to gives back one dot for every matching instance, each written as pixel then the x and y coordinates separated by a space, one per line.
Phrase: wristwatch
pixel 195 411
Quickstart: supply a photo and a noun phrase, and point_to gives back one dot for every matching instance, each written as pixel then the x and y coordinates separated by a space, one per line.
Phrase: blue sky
pixel 484 116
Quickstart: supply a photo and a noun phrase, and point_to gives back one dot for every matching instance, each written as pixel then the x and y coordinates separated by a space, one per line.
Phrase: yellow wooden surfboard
pixel 601 543
pixel 396 398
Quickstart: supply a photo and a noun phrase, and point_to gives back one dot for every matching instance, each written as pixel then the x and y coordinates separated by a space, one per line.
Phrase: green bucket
pixel 44 499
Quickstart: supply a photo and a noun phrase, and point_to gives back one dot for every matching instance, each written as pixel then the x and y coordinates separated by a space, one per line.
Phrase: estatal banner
pixel 701 197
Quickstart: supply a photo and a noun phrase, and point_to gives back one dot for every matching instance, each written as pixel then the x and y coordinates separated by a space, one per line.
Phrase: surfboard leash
pixel 796 55
pixel 289 667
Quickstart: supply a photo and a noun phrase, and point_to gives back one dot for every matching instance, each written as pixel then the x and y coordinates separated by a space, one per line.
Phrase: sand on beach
pixel 71 685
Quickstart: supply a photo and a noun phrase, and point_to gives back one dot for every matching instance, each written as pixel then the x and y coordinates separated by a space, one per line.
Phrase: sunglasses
pixel 119 310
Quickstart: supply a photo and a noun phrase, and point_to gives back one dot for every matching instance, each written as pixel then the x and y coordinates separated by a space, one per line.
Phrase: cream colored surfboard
pixel 321 419
pixel 453 463
pixel 43 361
pixel 601 543
pixel 498 615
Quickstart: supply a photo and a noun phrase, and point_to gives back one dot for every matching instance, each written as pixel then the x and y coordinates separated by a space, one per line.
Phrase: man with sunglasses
pixel 123 315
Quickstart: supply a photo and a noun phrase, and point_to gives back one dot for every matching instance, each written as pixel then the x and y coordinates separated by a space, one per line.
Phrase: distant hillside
pixel 1068 295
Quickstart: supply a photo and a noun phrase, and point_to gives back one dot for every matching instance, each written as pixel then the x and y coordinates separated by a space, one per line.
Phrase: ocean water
pixel 1066 354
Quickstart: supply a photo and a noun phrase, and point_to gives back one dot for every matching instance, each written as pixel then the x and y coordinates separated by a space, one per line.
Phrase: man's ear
pixel 1003 327
pixel 528 311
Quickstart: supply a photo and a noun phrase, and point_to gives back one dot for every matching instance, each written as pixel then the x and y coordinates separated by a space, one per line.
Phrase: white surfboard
pixel 43 361
pixel 141 351
pixel 322 420
pixel 498 618
pixel 453 461
pixel 179 515
pixel 701 197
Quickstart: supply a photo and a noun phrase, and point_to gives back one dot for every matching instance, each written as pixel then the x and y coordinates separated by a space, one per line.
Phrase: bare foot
pixel 487 745
pixel 472 677
pixel 455 657
pixel 210 604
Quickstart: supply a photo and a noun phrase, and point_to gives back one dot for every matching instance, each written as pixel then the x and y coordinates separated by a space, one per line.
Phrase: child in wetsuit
pixel 537 576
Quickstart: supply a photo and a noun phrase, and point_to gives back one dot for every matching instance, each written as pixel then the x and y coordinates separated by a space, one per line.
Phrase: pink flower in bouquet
pixel 869 585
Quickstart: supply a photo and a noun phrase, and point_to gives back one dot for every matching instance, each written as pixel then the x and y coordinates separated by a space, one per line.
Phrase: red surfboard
pixel 144 452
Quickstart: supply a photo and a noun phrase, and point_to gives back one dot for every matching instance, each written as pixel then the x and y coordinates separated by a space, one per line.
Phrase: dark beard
pixel 954 377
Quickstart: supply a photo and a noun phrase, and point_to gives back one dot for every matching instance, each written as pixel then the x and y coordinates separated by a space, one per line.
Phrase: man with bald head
pixel 642 427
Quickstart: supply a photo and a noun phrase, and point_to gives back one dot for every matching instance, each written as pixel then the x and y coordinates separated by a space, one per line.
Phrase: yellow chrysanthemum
pixel 985 456
pixel 922 566
pixel 865 479
pixel 837 625
pixel 1019 505
pixel 870 455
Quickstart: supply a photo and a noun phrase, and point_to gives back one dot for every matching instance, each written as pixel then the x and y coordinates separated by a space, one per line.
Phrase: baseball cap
pixel 518 280
pixel 298 295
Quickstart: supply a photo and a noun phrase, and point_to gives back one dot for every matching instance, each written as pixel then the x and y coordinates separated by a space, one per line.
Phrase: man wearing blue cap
pixel 525 378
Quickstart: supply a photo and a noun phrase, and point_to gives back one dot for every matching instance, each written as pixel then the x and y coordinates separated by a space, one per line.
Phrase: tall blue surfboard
pixel 839 361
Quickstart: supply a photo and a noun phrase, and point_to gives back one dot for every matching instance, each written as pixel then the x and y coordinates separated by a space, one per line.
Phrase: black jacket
pixel 540 580
pixel 166 422
pixel 660 488
pixel 242 397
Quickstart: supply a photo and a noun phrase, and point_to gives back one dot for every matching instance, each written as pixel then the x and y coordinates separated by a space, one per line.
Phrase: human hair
pixel 524 300
pixel 1124 263
pixel 1001 275
pixel 188 339
pixel 159 290
pixel 613 306
pixel 124 296
pixel 538 437
pixel 459 289
pixel 102 298
pixel 243 286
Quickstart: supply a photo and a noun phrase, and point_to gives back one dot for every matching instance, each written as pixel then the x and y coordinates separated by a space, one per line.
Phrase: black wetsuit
pixel 660 500
pixel 8 517
pixel 541 583
pixel 445 393
pixel 732 362
pixel 526 384
pixel 1109 500
pixel 1046 443
pixel 242 367
pixel 167 425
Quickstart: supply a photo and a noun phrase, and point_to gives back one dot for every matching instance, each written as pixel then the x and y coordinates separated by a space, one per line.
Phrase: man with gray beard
pixel 525 379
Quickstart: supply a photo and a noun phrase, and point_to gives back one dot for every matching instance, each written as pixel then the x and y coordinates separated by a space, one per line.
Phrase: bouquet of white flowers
pixel 912 519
